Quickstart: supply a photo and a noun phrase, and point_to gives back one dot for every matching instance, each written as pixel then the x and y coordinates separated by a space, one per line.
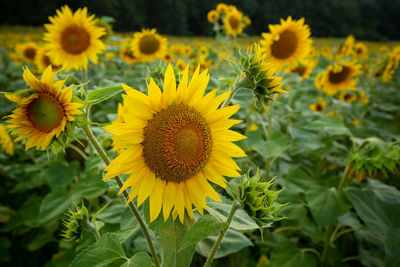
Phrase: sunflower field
pixel 145 149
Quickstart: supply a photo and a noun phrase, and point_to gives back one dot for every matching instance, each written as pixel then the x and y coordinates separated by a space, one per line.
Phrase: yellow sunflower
pixel 168 57
pixel 304 68
pixel 42 115
pixel 42 60
pixel 361 50
pixel 148 45
pixel 233 22
pixel 339 77
pixel 346 49
pixel 287 43
pixel 222 8
pixel 73 39
pixel 347 97
pixel 175 140
pixel 212 16
pixel 27 51
pixel 319 106
pixel 128 56
pixel 6 141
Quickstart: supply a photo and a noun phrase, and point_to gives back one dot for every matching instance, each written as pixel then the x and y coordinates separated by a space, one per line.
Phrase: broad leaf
pixel 331 125
pixel 287 254
pixel 99 95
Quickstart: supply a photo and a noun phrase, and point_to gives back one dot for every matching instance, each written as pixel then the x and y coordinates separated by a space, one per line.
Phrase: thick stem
pixel 221 235
pixel 133 208
pixel 326 244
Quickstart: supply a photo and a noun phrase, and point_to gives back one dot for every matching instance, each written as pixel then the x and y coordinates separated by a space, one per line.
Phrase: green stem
pixel 221 235
pixel 342 181
pixel 77 150
pixel 326 244
pixel 132 206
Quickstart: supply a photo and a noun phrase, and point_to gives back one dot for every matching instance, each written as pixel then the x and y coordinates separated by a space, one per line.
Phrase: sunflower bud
pixel 75 222
pixel 259 76
pixel 259 200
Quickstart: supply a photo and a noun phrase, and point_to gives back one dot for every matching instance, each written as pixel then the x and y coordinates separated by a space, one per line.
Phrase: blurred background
pixel 366 19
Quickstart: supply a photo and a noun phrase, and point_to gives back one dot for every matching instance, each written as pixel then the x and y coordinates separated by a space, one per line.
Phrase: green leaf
pixel 332 125
pixel 61 174
pixel 326 204
pixel 141 259
pixel 384 192
pixel 54 205
pixel 206 225
pixel 232 242
pixel 40 240
pixel 392 247
pixel 99 95
pixel 107 251
pixel 241 221
pixel 287 254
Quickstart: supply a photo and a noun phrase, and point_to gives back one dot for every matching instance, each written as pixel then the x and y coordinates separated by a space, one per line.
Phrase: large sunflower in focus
pixel 43 114
pixel 172 142
pixel 148 45
pixel 339 77
pixel 73 39
pixel 233 22
pixel 27 51
pixel 287 43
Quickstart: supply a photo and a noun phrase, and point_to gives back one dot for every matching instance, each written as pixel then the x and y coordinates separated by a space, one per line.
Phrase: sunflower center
pixel 338 77
pixel 30 53
pixel 300 70
pixel 149 44
pixel 45 112
pixel 75 39
pixel 318 107
pixel 347 97
pixel 285 46
pixel 177 143
pixel 129 54
pixel 234 22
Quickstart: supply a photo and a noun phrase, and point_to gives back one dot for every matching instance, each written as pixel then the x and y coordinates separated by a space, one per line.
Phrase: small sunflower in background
pixel 175 141
pixel 222 8
pixel 148 45
pixel 339 77
pixel 44 113
pixel 168 57
pixel 42 60
pixel 5 141
pixel 233 22
pixel 287 43
pixel 212 16
pixel 319 106
pixel 304 68
pixel 347 97
pixel 127 55
pixel 361 50
pixel 326 52
pixel 73 38
pixel 27 51
pixel 346 49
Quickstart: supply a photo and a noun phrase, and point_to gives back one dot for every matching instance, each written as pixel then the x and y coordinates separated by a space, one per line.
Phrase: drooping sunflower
pixel 6 141
pixel 339 77
pixel 319 106
pixel 43 114
pixel 287 43
pixel 27 51
pixel 304 68
pixel 212 16
pixel 233 22
pixel 174 141
pixel 42 60
pixel 347 97
pixel 148 45
pixel 73 38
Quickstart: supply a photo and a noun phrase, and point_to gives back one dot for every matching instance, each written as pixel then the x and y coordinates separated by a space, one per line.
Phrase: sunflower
pixel 304 68
pixel 287 43
pixel 347 97
pixel 346 49
pixel 233 22
pixel 361 50
pixel 338 77
pixel 222 8
pixel 212 16
pixel 168 57
pixel 326 52
pixel 42 115
pixel 174 141
pixel 390 66
pixel 319 106
pixel 128 56
pixel 181 64
pixel 6 141
pixel 148 45
pixel 42 60
pixel 27 51
pixel 73 38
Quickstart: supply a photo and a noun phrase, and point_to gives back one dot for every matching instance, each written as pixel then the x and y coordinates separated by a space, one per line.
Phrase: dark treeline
pixel 366 19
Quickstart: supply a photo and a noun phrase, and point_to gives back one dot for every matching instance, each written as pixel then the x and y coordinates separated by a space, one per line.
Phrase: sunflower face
pixel 44 114
pixel 212 16
pixel 233 22
pixel 42 60
pixel 148 45
pixel 128 56
pixel 304 68
pixel 319 106
pixel 172 142
pixel 27 51
pixel 287 43
pixel 73 38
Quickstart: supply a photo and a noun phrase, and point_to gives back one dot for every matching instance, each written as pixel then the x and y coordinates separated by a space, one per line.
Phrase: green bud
pixel 75 223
